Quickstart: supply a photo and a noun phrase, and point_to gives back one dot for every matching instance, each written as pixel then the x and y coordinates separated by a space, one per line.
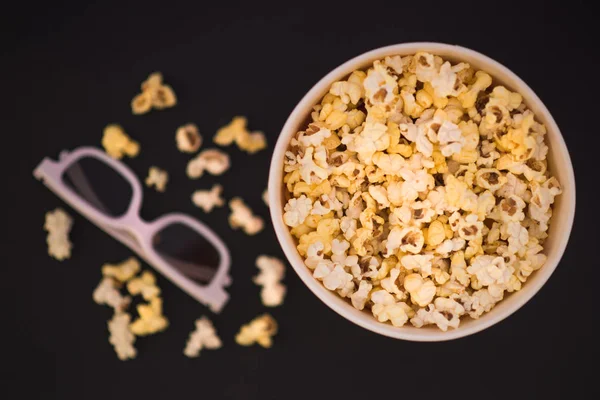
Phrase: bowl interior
pixel 559 164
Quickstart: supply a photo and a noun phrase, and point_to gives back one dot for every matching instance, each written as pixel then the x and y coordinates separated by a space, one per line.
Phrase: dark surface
pixel 72 69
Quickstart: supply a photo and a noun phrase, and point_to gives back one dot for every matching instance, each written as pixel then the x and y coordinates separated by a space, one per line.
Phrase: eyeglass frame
pixel 134 232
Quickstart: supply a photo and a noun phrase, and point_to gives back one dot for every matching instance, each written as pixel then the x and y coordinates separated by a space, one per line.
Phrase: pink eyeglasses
pixel 108 193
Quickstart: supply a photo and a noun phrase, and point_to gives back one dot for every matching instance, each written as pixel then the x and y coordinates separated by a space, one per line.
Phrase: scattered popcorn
pixel 205 336
pixel 121 337
pixel 154 94
pixel 58 224
pixel 419 190
pixel 107 292
pixel 241 217
pixel 208 199
pixel 151 320
pixel 144 285
pixel 260 330
pixel 188 138
pixel 158 178
pixel 117 144
pixel 236 132
pixel 271 273
pixel 212 160
pixel 122 272
pixel 265 197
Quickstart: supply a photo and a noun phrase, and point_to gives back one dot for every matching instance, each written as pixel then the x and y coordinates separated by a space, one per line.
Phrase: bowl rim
pixel 341 306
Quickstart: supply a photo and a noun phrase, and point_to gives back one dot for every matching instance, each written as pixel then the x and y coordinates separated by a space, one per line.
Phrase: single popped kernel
pixel 145 285
pixel 265 197
pixel 208 199
pixel 158 178
pixel 420 189
pixel 117 144
pixel 203 337
pixel 154 94
pixel 58 224
pixel 260 330
pixel 150 319
pixel 121 336
pixel 188 138
pixel 242 217
pixel 212 160
pixel 236 132
pixel 122 272
pixel 272 271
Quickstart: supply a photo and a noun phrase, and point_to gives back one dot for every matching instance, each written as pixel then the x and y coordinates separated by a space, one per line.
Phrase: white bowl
pixel 559 164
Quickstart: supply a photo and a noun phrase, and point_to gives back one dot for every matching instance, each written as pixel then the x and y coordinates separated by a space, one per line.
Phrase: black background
pixel 70 69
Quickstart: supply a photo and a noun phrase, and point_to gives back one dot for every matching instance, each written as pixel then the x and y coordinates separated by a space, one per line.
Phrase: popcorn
pixel 260 330
pixel 157 178
pixel 271 273
pixel 151 320
pixel 445 313
pixel 241 217
pixel 265 197
pixel 122 272
pixel 421 290
pixel 360 297
pixel 385 308
pixel 58 224
pixel 212 160
pixel 208 199
pixel 237 132
pixel 188 138
pixel 144 285
pixel 334 276
pixel 107 292
pixel 154 94
pixel 204 336
pixel 418 262
pixel 117 144
pixel 296 211
pixel 121 337
pixel 420 191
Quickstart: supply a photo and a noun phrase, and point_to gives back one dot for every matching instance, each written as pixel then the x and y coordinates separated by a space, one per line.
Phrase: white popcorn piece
pixel 265 197
pixel 385 308
pixel 450 137
pixel 203 337
pixel 58 224
pixel 107 292
pixel 490 270
pixel 272 271
pixel 208 199
pixel 360 297
pixel 213 161
pixel 334 276
pixel 296 211
pixel 158 178
pixel 380 86
pixel 419 262
pixel 445 313
pixel 121 336
pixel 242 217
pixel 391 286
pixel 314 255
pixel 310 170
pixel 409 239
pixel 314 139
pixel 124 271
pixel 450 245
pixel 426 69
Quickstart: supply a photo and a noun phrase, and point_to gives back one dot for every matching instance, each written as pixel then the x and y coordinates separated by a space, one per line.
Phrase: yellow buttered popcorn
pixel 124 271
pixel 420 191
pixel 144 285
pixel 260 330
pixel 150 319
pixel 236 132
pixel 117 144
pixel 155 94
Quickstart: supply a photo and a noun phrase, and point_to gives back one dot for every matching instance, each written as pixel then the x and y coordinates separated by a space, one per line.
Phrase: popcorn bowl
pixel 559 164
